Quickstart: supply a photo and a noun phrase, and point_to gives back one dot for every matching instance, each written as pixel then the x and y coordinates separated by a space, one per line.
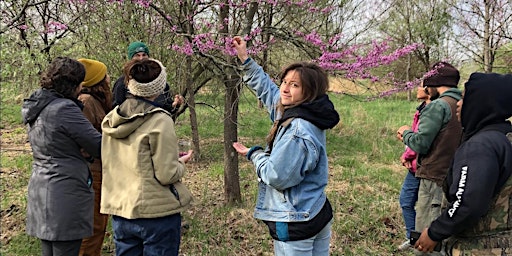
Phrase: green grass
pixel 365 178
pixel 10 115
pixel 22 244
pixel 11 96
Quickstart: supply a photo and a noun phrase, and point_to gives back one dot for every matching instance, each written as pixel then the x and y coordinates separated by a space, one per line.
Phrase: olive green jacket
pixel 438 136
pixel 141 171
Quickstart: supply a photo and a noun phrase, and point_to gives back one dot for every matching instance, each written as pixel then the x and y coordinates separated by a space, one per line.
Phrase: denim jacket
pixel 292 178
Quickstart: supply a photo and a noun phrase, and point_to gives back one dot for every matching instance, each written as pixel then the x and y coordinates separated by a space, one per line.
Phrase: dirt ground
pixel 13 143
pixel 14 189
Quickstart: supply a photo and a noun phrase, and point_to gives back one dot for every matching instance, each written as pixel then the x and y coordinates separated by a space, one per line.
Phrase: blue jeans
pixel 408 198
pixel 148 237
pixel 317 245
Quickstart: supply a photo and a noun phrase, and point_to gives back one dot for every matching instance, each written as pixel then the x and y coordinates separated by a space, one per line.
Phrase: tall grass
pixel 365 178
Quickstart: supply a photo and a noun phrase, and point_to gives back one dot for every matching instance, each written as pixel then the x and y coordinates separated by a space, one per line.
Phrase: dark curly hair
pixel 63 75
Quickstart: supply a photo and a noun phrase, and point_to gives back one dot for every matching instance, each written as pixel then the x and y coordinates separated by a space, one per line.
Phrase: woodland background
pixel 375 51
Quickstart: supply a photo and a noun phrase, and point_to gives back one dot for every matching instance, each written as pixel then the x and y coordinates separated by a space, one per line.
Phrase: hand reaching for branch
pixel 178 101
pixel 240 46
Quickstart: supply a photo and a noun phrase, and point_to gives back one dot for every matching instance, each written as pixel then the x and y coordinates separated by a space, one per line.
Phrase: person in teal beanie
pixel 139 50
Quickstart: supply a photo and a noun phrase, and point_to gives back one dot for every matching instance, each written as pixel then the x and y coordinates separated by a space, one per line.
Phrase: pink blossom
pixel 186 49
pixel 54 27
pixel 314 38
pixel 204 42
pixel 143 3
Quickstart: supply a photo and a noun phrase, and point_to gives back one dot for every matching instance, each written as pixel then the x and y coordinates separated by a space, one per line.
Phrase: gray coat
pixel 60 197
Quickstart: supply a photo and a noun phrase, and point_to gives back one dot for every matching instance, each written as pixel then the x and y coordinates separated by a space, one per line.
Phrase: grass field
pixel 365 179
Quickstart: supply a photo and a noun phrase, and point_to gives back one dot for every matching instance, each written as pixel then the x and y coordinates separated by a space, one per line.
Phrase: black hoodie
pixel 319 112
pixel 483 162
pixel 487 101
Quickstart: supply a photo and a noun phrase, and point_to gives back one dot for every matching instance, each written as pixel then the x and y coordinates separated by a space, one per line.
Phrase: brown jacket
pixel 435 164
pixel 95 113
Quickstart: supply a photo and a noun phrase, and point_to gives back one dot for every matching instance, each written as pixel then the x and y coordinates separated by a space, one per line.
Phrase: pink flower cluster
pixel 143 3
pixel 357 66
pixel 54 27
pixel 353 62
pixel 401 87
pixel 433 71
pixel 186 48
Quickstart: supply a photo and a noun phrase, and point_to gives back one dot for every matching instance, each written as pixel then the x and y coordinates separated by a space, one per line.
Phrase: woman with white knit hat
pixel 142 170
pixel 171 102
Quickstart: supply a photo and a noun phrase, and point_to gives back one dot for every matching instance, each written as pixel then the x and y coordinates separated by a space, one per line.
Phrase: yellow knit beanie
pixel 95 71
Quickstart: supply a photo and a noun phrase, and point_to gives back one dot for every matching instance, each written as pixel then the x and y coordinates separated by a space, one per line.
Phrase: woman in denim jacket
pixel 293 170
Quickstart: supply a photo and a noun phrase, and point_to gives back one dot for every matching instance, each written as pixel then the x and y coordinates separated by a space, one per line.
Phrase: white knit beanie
pixel 155 87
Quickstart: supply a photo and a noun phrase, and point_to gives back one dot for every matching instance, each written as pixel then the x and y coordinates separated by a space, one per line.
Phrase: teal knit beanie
pixel 136 47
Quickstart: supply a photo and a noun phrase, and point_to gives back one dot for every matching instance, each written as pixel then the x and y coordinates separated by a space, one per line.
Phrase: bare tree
pixel 483 28
pixel 424 21
pixel 32 30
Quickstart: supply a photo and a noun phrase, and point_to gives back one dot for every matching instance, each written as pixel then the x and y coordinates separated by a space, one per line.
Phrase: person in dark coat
pixel 139 51
pixel 60 198
pixel 478 219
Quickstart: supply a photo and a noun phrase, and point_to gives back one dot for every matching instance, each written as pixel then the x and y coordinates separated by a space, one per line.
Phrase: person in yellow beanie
pixel 97 100
pixel 95 72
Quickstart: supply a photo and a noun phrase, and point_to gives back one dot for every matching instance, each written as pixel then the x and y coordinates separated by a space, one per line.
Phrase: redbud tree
pixel 304 27
pixel 200 32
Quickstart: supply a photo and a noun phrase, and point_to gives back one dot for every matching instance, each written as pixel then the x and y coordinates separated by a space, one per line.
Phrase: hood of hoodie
pixel 319 112
pixel 487 102
pixel 33 106
pixel 127 117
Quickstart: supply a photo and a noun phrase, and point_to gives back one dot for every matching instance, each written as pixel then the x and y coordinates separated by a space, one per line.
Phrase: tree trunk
pixel 191 102
pixel 487 37
pixel 407 76
pixel 231 175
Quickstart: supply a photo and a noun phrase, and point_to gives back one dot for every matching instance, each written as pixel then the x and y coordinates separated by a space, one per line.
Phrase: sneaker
pixel 404 246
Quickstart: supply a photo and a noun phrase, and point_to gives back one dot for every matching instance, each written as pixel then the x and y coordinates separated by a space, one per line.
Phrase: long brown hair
pixel 315 83
pixel 101 91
